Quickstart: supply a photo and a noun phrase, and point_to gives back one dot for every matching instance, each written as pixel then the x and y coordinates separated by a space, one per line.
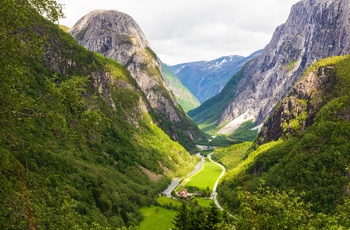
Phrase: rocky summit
pixel 116 35
pixel 314 30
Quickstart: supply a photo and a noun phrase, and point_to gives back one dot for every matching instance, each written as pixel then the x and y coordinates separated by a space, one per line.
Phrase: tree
pixel 182 218
pixel 272 209
pixel 19 44
pixel 214 216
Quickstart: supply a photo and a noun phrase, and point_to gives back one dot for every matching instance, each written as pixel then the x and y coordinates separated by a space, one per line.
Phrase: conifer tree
pixel 182 218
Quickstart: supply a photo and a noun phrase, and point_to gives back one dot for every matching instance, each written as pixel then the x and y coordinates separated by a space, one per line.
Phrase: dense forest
pixel 77 149
pixel 301 179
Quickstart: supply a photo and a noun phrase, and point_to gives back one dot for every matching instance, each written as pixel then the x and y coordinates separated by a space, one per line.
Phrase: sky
pixel 195 30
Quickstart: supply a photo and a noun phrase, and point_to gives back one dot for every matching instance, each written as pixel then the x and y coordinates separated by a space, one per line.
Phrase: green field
pixel 156 218
pixel 204 178
pixel 204 202
pixel 163 200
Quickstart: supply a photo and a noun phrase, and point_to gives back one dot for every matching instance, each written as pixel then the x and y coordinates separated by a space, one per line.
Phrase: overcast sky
pixel 194 30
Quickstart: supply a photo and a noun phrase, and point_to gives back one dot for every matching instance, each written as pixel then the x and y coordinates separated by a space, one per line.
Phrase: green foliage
pixel 156 218
pixel 204 179
pixel 208 114
pixel 167 202
pixel 222 141
pixel 268 208
pixel 186 99
pixel 291 65
pixel 272 209
pixel 64 28
pixel 198 218
pixel 71 146
pixel 244 132
pixel 314 164
pixel 231 157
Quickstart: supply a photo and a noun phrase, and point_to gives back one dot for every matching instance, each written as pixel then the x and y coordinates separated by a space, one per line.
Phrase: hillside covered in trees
pixel 78 147
pixel 296 174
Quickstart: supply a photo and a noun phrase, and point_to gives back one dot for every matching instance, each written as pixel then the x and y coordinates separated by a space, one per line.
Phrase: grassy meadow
pixel 156 218
pixel 204 178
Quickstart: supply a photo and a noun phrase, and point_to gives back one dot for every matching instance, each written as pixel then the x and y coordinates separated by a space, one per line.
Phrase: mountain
pixel 300 161
pixel 116 35
pixel 79 147
pixel 186 99
pixel 314 30
pixel 206 79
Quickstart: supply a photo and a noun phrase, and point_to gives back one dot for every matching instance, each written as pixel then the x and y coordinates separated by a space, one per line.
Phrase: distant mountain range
pixel 186 99
pixel 206 79
pixel 313 31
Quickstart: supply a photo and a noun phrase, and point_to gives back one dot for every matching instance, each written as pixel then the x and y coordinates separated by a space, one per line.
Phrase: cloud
pixel 182 30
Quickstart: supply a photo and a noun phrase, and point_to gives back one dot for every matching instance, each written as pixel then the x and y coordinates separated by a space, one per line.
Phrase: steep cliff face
pixel 298 110
pixel 314 30
pixel 117 36
pixel 206 79
pixel 311 156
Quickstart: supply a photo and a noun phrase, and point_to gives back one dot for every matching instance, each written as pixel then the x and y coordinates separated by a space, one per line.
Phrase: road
pixel 214 193
pixel 176 181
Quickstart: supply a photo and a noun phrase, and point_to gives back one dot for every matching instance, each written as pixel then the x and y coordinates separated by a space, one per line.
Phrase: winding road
pixel 176 181
pixel 214 193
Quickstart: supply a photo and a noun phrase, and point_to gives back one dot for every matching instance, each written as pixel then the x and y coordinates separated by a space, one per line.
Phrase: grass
pixel 204 178
pixel 166 201
pixel 156 218
pixel 204 202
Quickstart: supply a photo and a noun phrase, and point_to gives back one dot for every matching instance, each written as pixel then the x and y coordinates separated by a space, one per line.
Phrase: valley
pixel 96 132
pixel 203 179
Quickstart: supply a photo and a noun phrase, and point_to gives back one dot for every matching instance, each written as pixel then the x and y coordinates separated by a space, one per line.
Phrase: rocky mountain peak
pixel 315 29
pixel 103 23
pixel 117 36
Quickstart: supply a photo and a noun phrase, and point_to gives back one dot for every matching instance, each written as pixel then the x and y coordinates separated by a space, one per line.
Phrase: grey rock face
pixel 298 110
pixel 315 29
pixel 116 35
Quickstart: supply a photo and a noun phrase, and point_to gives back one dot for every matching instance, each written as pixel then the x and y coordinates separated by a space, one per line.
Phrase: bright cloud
pixel 181 31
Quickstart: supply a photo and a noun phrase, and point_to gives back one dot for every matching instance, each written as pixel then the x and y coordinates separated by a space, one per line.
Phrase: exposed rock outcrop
pixel 116 35
pixel 298 110
pixel 315 29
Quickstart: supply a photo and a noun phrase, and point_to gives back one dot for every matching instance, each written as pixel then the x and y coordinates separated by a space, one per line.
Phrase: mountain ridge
pixel 205 79
pixel 116 35
pixel 186 99
pixel 313 30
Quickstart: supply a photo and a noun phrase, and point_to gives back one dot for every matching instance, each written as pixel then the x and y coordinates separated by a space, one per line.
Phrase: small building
pixel 183 193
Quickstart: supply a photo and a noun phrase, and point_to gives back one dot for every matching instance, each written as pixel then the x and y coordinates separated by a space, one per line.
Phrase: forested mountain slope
pixel 314 30
pixel 78 147
pixel 116 35
pixel 303 152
